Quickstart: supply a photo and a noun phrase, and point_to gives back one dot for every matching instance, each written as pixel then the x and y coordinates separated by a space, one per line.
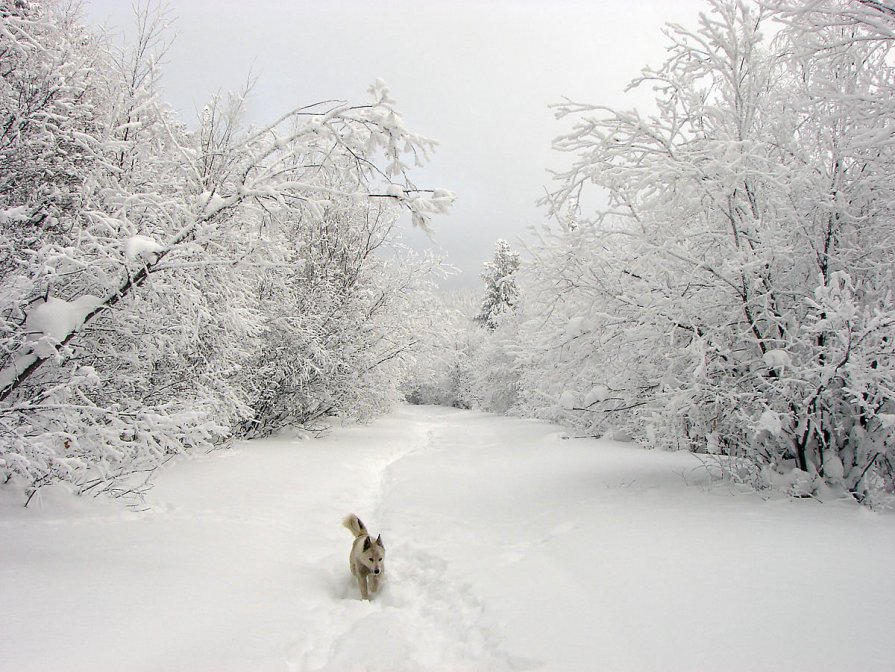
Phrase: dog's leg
pixel 373 583
pixel 362 584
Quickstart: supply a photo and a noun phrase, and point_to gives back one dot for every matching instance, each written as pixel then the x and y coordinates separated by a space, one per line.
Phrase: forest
pixel 716 277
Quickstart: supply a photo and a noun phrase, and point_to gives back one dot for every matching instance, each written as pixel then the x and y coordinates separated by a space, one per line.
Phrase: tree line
pixel 733 294
pixel 712 276
pixel 167 288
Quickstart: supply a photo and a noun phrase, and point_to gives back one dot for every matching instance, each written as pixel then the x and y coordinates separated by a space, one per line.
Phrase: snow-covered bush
pixel 449 338
pixel 343 331
pixel 165 288
pixel 469 355
pixel 497 363
pixel 736 295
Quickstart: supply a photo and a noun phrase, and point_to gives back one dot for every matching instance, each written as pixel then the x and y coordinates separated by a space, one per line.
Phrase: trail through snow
pixel 509 548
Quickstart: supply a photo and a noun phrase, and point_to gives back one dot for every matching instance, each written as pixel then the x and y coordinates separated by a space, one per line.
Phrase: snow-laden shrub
pixel 443 374
pixel 469 357
pixel 736 296
pixel 165 288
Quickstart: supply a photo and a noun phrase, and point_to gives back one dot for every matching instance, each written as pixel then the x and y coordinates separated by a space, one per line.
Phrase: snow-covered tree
pixel 496 364
pixel 449 338
pixel 876 17
pixel 470 355
pixel 142 264
pixel 342 330
pixel 735 297
pixel 501 292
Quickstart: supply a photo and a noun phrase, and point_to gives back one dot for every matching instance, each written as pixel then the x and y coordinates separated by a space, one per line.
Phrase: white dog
pixel 367 559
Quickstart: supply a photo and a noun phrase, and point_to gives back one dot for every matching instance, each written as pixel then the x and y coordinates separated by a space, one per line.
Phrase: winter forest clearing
pixel 510 547
pixel 189 305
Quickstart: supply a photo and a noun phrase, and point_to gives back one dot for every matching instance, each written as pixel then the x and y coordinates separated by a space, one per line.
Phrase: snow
pixel 578 326
pixel 395 190
pixel 770 422
pixel 509 548
pixel 13 215
pixel 141 248
pixel 58 318
pixel 776 359
pixel 597 394
pixel 211 202
pixel 568 400
pixel 833 468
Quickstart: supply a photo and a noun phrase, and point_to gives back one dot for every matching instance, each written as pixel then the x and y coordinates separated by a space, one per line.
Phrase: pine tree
pixel 501 291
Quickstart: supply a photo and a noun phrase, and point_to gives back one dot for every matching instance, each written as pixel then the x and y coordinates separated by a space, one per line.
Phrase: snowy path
pixel 509 548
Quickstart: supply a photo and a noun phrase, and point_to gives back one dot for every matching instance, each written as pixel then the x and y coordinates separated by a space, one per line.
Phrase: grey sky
pixel 477 76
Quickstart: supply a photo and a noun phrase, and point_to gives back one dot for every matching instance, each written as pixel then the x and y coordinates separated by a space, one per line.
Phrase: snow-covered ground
pixel 509 548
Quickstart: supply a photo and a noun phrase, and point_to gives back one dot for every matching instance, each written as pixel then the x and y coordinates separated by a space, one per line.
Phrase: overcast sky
pixel 475 75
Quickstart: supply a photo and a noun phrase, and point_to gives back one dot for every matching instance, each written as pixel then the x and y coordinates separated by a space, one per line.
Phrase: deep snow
pixel 509 548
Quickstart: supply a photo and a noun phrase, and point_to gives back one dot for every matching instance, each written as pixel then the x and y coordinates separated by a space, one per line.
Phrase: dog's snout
pixel 376 571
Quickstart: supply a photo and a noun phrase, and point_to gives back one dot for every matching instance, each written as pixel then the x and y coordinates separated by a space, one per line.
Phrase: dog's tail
pixel 354 524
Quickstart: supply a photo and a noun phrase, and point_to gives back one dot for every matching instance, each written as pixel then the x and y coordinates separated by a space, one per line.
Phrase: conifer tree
pixel 501 291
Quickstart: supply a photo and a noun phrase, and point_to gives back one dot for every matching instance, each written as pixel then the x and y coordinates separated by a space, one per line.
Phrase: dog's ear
pixel 379 542
pixel 367 544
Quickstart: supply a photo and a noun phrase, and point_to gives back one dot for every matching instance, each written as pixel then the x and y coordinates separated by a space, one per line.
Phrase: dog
pixel 367 559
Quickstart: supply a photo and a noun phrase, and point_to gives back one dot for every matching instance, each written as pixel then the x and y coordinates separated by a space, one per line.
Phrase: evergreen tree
pixel 501 292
